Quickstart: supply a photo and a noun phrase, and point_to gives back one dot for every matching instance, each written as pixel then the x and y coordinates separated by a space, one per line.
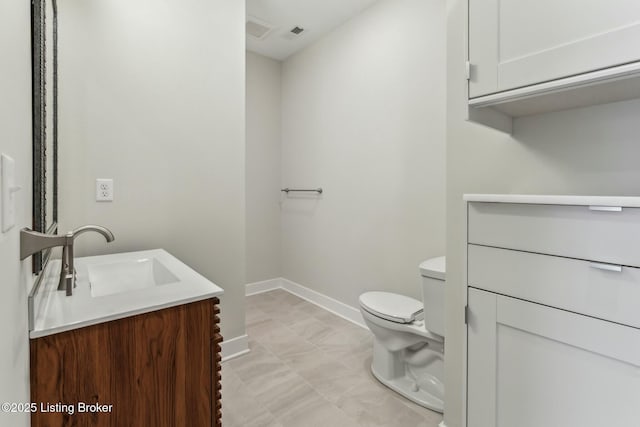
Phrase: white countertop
pixel 631 202
pixel 54 312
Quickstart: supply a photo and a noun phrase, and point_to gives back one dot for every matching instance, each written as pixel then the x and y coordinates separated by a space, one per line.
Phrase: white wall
pixel 152 95
pixel 263 153
pixel 584 151
pixel 15 141
pixel 363 117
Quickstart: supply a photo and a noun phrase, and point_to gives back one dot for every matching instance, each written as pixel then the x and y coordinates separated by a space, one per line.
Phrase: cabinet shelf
pixel 598 87
pixel 570 60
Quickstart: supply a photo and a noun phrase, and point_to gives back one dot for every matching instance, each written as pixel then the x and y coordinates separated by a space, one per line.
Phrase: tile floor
pixel 308 367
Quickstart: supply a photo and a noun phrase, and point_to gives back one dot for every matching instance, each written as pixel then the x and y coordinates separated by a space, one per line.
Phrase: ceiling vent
pixel 293 33
pixel 257 28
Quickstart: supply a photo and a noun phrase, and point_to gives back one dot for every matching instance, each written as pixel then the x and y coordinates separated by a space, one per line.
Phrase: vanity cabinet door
pixel 155 369
pixel 530 365
pixel 517 43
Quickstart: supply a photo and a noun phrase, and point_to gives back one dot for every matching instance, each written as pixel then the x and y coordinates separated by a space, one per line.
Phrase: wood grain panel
pixel 198 378
pixel 156 369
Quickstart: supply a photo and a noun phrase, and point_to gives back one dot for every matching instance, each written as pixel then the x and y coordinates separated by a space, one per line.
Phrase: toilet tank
pixel 433 274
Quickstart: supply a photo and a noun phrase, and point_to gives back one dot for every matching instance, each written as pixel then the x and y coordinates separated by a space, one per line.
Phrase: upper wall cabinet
pixel 528 57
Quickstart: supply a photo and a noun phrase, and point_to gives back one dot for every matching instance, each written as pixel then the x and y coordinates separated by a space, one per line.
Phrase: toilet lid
pixel 393 307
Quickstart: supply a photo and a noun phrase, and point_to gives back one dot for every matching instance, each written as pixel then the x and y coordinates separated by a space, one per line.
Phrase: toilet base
pixel 405 386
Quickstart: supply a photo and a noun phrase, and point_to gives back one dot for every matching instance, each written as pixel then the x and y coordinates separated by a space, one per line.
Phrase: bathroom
pixel 200 131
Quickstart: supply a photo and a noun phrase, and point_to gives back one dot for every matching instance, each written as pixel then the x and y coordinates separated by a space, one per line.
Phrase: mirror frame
pixel 39 118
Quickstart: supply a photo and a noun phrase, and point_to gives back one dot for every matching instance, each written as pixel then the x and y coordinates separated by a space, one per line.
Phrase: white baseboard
pixel 263 286
pixel 234 347
pixel 334 306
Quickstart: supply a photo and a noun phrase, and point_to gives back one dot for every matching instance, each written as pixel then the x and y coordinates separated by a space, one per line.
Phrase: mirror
pixel 44 43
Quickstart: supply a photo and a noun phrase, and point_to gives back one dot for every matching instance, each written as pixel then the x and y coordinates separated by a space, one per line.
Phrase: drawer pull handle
pixel 608 267
pixel 606 208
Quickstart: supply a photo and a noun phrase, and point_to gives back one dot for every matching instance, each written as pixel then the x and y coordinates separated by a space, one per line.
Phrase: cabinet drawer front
pixel 571 231
pixel 593 289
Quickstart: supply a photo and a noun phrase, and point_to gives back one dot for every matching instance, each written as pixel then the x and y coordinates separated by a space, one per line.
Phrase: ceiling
pixel 315 17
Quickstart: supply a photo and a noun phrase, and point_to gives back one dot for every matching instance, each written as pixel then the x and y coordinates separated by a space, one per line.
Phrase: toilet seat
pixel 392 307
pixel 408 337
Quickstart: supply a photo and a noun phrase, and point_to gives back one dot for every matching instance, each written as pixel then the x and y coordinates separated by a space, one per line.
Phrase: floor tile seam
pixel 344 330
pixel 350 389
pixel 313 343
pixel 300 376
pixel 391 395
pixel 349 368
pixel 295 371
pixel 414 410
pixel 303 338
pixel 324 353
pixel 311 386
pixel 320 395
pixel 279 324
pixel 257 400
pixel 318 305
pixel 349 417
pixel 318 349
pixel 250 392
pixel 327 401
pixel 323 397
pixel 325 310
pixel 345 414
pixel 316 346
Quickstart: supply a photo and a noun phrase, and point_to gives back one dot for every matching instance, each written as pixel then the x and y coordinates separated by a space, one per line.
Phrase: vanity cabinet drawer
pixel 605 291
pixel 587 232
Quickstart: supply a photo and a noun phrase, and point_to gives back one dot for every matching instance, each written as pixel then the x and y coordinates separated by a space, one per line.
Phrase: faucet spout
pixel 108 235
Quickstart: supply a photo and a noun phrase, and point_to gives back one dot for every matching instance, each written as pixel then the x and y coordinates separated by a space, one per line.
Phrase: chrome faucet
pixel 33 241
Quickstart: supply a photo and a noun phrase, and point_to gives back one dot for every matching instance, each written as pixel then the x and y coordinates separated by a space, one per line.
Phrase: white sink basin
pixel 111 287
pixel 127 276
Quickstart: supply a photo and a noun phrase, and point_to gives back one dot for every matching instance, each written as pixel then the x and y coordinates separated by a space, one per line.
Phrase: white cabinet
pixel 522 51
pixel 515 43
pixel 530 366
pixel 553 315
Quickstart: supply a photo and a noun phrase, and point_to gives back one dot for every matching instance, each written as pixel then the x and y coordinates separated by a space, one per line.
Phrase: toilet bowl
pixel 408 344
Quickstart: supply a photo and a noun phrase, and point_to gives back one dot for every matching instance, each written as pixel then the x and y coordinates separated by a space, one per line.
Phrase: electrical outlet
pixel 104 190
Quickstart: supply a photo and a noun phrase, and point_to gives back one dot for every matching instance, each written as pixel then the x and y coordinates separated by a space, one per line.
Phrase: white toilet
pixel 408 346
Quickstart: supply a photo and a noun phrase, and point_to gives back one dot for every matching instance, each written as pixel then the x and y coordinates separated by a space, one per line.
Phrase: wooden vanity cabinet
pixel 156 369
